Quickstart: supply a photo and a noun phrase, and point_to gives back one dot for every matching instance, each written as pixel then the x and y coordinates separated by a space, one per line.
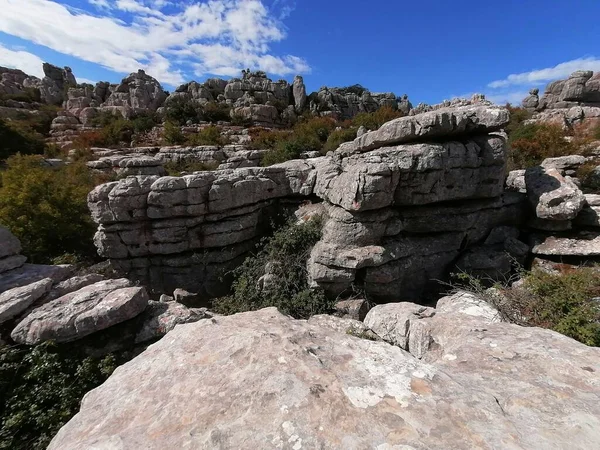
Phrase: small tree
pixel 46 208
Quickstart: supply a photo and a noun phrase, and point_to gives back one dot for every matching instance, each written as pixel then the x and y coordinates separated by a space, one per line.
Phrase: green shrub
pixel 374 120
pixel 41 389
pixel 286 253
pixel 172 134
pixel 117 132
pixel 559 301
pixel 15 138
pixel 143 122
pixel 518 115
pixel 530 144
pixel 563 303
pixel 180 110
pixel 46 208
pixel 338 137
pixel 215 112
pixel 307 135
pixel 210 135
pixel 263 139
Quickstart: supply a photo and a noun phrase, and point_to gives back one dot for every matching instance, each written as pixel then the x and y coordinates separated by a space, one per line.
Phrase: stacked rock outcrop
pixel 566 210
pixel 567 102
pixel 403 203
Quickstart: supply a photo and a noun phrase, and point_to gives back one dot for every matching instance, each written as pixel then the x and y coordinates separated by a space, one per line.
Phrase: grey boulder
pixel 553 196
pixel 83 312
pixel 14 301
pixel 264 380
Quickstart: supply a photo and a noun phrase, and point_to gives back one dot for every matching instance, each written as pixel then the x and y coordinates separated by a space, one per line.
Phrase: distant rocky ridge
pixel 567 102
pixel 253 97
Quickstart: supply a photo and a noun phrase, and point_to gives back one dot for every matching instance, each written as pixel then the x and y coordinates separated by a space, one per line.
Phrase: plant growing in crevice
pixel 277 276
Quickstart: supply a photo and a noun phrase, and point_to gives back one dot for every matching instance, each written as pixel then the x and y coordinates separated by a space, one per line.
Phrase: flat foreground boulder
pixel 80 313
pixel 263 380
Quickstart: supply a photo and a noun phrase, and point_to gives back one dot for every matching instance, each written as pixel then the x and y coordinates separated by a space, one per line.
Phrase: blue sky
pixel 431 50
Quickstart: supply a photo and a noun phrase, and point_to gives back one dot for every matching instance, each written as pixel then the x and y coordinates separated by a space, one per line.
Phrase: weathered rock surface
pixel 442 122
pixel 30 273
pixel 160 318
pixel 10 248
pixel 553 196
pixel 301 385
pixel 186 232
pixel 583 244
pixel 73 284
pixel 15 301
pixel 83 312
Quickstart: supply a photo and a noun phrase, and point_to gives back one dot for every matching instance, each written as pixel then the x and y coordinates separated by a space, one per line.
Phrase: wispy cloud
pixel 562 70
pixel 23 60
pixel 168 39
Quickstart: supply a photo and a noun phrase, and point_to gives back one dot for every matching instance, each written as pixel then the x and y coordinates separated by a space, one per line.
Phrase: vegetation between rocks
pixel 46 208
pixel 41 388
pixel 567 302
pixel 276 275
pixel 531 143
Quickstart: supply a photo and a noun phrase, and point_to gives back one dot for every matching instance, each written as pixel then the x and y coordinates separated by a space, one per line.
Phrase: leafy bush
pixel 172 134
pixel 263 139
pixel 144 121
pixel 180 110
pixel 41 389
pixel 337 137
pixel 374 120
pixel 530 144
pixel 210 135
pixel 307 135
pixel 285 255
pixel 559 301
pixel 215 112
pixel 175 169
pixel 117 132
pixel 15 138
pixel 518 115
pixel 46 208
pixel 87 140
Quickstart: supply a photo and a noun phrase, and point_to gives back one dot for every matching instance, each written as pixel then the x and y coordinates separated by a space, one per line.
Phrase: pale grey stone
pixel 83 312
pixel 14 301
pixel 553 196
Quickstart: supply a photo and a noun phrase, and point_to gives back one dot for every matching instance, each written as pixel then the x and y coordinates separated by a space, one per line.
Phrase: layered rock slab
pixel 83 312
pixel 444 122
pixel 313 387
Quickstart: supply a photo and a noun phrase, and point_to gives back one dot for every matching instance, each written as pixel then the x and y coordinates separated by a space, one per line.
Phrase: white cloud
pixel 81 80
pixel 562 70
pixel 20 59
pixel 157 35
pixel 512 97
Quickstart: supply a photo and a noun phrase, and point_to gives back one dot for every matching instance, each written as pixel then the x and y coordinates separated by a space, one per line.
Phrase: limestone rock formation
pixel 54 85
pixel 533 100
pixel 10 247
pixel 15 301
pixel 553 196
pixel 138 91
pixel 80 313
pixel 299 92
pixel 393 224
pixel 294 384
pixel 568 102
